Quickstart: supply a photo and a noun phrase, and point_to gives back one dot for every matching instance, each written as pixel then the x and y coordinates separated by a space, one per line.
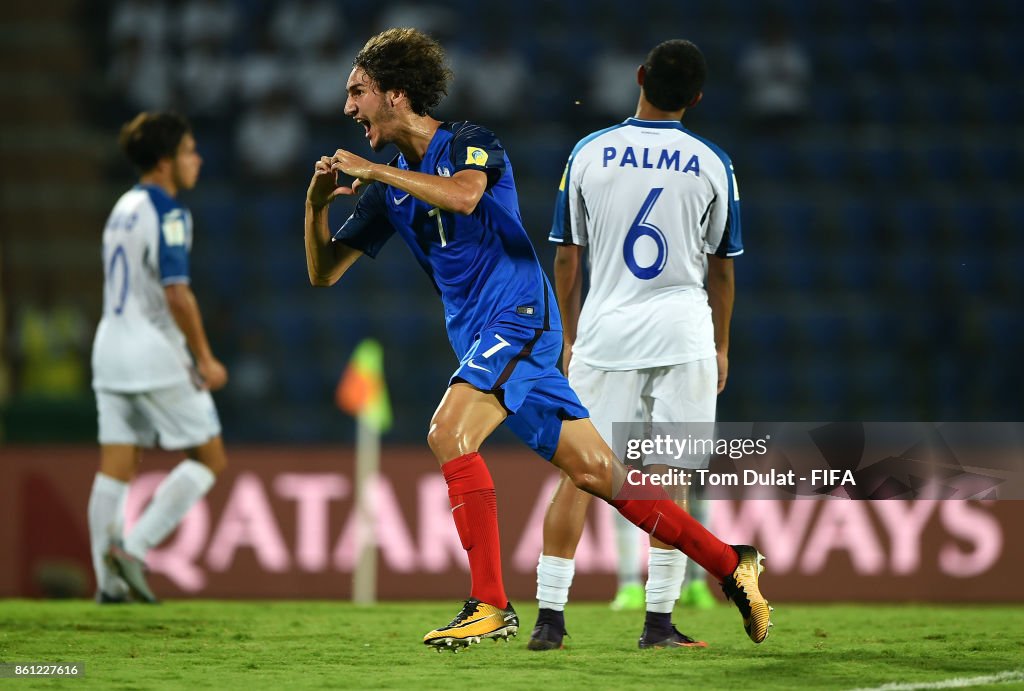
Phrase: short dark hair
pixel 150 137
pixel 675 73
pixel 407 60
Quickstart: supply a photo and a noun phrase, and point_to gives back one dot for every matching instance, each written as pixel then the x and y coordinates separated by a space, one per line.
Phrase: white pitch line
pixel 955 683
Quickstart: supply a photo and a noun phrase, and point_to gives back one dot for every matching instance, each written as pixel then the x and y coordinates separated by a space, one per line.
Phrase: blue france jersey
pixel 482 264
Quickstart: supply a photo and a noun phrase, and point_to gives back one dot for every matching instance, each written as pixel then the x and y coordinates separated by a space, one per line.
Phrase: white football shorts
pixel 676 394
pixel 177 417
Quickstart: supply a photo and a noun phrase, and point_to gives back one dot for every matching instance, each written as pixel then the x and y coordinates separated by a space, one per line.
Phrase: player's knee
pixel 119 461
pixel 588 482
pixel 449 441
pixel 217 465
pixel 592 475
pixel 444 440
pixel 212 455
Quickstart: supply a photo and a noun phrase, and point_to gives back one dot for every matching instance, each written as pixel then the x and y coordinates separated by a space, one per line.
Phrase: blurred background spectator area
pixel 882 201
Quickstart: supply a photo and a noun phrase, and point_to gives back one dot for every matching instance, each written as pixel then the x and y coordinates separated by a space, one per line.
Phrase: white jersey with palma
pixel 649 200
pixel 146 243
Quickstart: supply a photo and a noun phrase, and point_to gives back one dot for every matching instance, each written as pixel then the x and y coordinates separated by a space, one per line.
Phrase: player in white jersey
pixel 657 209
pixel 153 368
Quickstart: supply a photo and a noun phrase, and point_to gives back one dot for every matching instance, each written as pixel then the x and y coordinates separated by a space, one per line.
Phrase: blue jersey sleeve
pixel 732 239
pixel 561 233
pixel 367 229
pixel 174 237
pixel 561 225
pixel 476 148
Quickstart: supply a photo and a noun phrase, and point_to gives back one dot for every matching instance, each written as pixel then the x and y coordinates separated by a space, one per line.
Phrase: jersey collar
pixel 656 124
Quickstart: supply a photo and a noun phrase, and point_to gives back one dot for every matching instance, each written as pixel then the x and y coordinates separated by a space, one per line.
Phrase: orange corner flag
pixel 361 390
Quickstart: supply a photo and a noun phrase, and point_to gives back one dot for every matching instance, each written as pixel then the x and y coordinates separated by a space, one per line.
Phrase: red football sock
pixel 650 508
pixel 475 511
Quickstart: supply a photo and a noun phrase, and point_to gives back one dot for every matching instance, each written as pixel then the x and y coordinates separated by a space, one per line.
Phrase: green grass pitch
pixel 312 644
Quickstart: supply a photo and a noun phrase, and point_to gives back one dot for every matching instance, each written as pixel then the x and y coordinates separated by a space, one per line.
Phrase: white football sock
pixel 554 578
pixel 106 523
pixel 665 571
pixel 181 489
pixel 627 542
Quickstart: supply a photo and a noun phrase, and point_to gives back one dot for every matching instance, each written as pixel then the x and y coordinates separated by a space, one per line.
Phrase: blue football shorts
pixel 518 365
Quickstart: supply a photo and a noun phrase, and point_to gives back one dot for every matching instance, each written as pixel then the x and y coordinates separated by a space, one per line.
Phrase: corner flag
pixel 361 391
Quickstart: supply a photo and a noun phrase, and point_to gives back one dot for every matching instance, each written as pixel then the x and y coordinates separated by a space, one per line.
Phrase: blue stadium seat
pixel 303 384
pixel 824 332
pixel 1005 331
pixel 797 220
pixel 826 162
pixel 283 271
pixel 998 161
pixel 853 271
pixel 830 103
pixel 769 334
pixel 944 161
pixel 1004 104
pixel 959 50
pixel 767 386
pixel 797 270
pixel 850 50
pixel 916 224
pixel 973 223
pixel 970 271
pixel 290 327
pixel 907 53
pixel 912 272
pixel 875 377
pixel 214 212
pixel 278 218
pixel 750 268
pixel 824 387
pixel 1009 221
pixel 883 164
pixel 766 160
pixel 858 219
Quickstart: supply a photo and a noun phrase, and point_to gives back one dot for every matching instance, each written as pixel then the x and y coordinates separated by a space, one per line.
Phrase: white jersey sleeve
pixel 138 345
pixel 649 200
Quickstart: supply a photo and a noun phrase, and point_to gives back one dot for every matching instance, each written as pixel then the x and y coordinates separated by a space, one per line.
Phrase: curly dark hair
pixel 150 137
pixel 407 60
pixel 675 74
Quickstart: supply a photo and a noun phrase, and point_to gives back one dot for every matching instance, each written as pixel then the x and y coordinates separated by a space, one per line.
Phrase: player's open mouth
pixel 366 126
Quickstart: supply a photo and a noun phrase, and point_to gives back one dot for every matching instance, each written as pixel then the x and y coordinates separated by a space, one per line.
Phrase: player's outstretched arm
pixel 721 287
pixel 568 289
pixel 326 260
pixel 458 194
pixel 185 310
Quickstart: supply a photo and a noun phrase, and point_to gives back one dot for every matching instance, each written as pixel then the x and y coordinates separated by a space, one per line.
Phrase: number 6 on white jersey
pixel 641 228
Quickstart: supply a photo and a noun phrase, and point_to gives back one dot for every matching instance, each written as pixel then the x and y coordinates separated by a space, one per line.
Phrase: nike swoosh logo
pixel 458 507
pixel 399 200
pixel 473 621
pixel 476 366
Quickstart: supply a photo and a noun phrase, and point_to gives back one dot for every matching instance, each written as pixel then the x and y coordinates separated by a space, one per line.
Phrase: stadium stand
pixel 894 210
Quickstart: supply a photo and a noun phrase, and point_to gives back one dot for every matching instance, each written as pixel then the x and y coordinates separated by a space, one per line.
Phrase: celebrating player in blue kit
pixel 657 209
pixel 450 195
